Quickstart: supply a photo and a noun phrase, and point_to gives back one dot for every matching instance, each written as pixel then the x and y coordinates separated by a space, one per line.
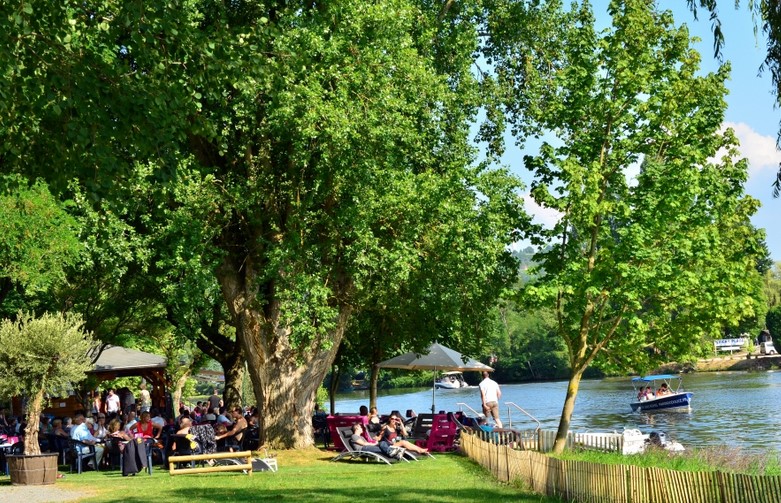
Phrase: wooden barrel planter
pixel 33 470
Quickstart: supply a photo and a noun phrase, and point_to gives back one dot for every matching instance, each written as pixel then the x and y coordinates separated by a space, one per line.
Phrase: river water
pixel 734 409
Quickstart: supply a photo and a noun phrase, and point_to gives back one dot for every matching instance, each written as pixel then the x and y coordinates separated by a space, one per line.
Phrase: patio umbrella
pixel 438 357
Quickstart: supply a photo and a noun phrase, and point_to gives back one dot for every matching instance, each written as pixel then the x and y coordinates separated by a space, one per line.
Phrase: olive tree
pixel 40 356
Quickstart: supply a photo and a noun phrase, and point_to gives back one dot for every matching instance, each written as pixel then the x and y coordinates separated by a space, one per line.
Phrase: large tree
pixel 38 242
pixel 322 141
pixel 654 247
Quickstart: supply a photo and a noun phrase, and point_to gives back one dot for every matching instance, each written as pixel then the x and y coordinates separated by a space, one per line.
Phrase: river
pixel 734 409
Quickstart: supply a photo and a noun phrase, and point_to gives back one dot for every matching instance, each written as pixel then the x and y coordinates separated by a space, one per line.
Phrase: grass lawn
pixel 307 475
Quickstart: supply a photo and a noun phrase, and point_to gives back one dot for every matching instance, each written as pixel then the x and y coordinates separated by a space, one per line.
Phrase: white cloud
pixel 760 150
pixel 542 215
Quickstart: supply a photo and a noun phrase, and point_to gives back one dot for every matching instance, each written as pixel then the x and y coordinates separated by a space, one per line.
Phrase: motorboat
pixel 450 380
pixel 660 393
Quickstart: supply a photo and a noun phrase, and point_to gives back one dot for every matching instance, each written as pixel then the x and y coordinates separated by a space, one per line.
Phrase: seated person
pixel 393 434
pixel 157 419
pixel 204 435
pixel 236 432
pixel 374 425
pixel 130 421
pixel 361 444
pixel 132 451
pixel 222 418
pixel 184 430
pixel 81 433
pixel 482 425
pixel 663 390
pixel 144 427
pixel 645 394
pixel 58 429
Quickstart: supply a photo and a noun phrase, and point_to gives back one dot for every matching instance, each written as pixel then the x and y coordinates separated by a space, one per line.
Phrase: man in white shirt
pixel 490 395
pixel 112 402
pixel 81 433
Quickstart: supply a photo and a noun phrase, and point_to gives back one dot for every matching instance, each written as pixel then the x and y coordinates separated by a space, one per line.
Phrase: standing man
pixel 215 401
pixel 490 395
pixel 127 399
pixel 145 397
pixel 112 402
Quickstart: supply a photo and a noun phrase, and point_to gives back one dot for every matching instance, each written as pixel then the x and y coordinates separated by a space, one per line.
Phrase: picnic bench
pixel 246 467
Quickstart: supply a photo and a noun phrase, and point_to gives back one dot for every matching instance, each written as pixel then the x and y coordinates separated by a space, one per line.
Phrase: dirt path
pixel 39 494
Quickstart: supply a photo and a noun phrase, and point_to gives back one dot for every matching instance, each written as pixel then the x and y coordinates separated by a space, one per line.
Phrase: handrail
pixel 509 414
pixel 477 414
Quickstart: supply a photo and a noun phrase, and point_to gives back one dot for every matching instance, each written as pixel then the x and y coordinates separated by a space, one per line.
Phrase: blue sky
pixel 751 111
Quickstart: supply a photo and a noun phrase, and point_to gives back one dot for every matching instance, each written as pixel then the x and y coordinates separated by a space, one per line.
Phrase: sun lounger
pixel 350 452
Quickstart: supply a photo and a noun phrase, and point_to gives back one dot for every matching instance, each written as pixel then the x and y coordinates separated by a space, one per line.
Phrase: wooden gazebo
pixel 114 362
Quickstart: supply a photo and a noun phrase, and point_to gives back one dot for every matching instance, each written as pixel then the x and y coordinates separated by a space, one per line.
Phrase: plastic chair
pixel 81 452
pixel 251 439
pixel 179 445
pixel 320 429
pixel 59 445
pixel 442 436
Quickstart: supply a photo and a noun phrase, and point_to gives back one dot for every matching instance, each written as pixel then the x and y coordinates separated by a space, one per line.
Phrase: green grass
pixel 308 475
pixel 703 459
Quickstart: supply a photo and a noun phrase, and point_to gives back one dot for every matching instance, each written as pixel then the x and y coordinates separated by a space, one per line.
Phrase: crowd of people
pixel 118 426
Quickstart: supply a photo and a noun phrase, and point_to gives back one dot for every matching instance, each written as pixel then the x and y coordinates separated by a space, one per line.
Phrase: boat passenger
pixel 663 390
pixel 645 394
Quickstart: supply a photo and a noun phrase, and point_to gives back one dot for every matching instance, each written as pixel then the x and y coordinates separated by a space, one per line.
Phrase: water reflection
pixel 736 409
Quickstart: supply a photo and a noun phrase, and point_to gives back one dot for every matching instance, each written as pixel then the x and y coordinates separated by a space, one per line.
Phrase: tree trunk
pixel 285 380
pixel 177 390
pixel 233 369
pixel 333 386
pixel 374 377
pixel 285 373
pixel 566 412
pixel 34 408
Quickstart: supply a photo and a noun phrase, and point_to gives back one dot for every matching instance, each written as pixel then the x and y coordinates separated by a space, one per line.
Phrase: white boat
pixel 450 380
pixel 668 396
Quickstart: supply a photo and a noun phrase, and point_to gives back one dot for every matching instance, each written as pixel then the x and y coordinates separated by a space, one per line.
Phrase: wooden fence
pixel 543 440
pixel 595 483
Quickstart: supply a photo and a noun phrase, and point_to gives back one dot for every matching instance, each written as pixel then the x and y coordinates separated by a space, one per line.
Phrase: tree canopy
pixel 654 247
pixel 310 149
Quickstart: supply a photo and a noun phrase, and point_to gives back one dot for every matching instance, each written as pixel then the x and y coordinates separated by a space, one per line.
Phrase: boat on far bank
pixel 668 395
pixel 450 380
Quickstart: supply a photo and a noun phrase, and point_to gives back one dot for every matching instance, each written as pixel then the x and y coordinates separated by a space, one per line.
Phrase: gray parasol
pixel 437 358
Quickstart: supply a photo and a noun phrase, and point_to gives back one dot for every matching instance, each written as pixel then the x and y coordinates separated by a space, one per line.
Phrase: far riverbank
pixel 734 362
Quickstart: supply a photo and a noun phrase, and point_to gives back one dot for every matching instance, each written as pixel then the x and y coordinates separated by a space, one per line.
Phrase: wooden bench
pixel 247 466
